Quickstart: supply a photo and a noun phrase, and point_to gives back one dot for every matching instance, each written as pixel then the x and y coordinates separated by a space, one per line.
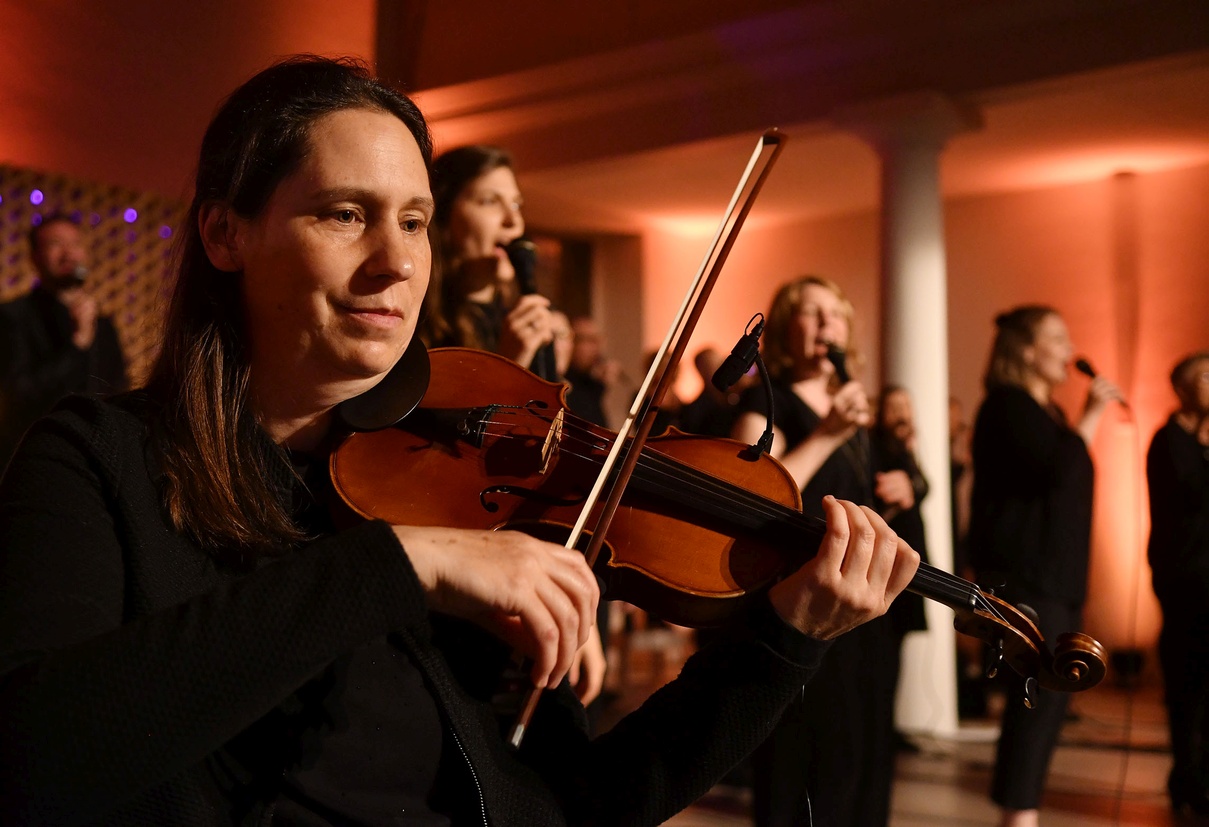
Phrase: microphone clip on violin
pixel 742 355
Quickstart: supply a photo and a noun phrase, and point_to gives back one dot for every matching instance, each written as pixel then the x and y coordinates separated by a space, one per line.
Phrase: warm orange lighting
pixel 1122 611
pixel 1073 167
pixel 686 226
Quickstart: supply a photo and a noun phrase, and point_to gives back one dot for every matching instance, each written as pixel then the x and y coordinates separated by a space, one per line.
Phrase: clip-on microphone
pixel 742 355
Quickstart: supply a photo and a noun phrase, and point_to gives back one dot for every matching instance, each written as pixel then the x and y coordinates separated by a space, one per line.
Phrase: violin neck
pixel 930 582
pixel 936 584
pixel 752 515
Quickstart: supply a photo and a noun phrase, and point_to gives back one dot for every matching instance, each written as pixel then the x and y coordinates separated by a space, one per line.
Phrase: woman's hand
pixel 1099 394
pixel 527 327
pixel 536 596
pixel 588 669
pixel 861 567
pixel 850 410
pixel 895 488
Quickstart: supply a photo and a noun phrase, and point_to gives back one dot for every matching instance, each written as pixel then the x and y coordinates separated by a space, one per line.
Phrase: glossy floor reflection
pixel 1110 767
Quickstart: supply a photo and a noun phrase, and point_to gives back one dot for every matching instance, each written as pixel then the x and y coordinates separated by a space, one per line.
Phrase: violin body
pixel 494 450
pixel 701 528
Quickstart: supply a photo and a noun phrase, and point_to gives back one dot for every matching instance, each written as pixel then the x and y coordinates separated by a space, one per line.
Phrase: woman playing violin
pixel 186 637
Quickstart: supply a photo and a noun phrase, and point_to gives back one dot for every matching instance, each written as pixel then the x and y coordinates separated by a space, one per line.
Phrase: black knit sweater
pixel 142 683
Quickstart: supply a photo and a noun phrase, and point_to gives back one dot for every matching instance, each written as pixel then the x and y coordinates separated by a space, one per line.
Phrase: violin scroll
pixel 1078 661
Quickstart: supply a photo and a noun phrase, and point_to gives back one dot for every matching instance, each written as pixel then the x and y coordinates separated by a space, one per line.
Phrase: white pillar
pixel 909 133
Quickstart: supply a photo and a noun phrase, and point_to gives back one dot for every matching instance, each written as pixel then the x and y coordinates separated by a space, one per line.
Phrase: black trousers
pixel 830 760
pixel 1184 658
pixel 1028 736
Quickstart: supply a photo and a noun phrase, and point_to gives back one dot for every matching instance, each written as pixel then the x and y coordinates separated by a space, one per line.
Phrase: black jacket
pixel 1031 509
pixel 1177 473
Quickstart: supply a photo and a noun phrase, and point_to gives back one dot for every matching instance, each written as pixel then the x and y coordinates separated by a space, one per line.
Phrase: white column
pixel 909 133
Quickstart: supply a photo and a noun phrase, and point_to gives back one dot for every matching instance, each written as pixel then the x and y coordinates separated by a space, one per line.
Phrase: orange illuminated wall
pixel 121 92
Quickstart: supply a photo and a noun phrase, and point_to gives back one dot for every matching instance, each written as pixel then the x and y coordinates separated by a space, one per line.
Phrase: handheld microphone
pixel 78 275
pixel 523 254
pixel 838 358
pixel 1084 367
pixel 742 355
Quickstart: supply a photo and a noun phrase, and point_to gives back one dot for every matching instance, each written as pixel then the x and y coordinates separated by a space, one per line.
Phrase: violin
pixel 702 529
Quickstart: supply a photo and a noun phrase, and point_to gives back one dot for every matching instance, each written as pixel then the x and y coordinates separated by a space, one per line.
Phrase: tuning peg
pixel 1029 612
pixel 993 660
pixel 1030 693
pixel 989 581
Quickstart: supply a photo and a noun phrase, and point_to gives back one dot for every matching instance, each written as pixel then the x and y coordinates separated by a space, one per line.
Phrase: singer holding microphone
pixel 1030 521
pixel 484 292
pixel 830 758
pixel 484 295
pixel 53 340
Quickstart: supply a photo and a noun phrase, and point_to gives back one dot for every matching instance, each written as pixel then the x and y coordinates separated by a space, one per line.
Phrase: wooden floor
pixel 1110 767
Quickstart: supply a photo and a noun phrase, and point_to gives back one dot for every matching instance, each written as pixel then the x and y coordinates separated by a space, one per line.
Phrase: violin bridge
pixel 553 437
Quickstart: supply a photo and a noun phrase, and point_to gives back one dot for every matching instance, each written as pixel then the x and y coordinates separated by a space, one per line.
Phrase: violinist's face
pixel 485 218
pixel 335 266
pixel 821 320
pixel 1051 352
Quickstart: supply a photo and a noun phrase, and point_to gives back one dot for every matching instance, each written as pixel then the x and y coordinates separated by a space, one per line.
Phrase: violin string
pixel 725 499
pixel 722 496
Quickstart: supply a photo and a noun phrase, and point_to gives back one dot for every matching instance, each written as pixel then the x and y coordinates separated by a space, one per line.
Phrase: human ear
pixel 217 225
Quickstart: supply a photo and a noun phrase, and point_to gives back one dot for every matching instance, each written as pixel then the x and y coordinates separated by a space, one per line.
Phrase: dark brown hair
pixel 217 475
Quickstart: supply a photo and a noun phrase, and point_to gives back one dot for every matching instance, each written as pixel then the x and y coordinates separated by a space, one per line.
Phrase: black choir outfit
pixel 486 321
pixel 908 523
pixel 1177 472
pixel 831 756
pixel 144 680
pixel 39 364
pixel 1030 522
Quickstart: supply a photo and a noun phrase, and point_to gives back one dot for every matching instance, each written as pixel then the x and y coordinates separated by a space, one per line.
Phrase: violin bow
pixel 633 434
